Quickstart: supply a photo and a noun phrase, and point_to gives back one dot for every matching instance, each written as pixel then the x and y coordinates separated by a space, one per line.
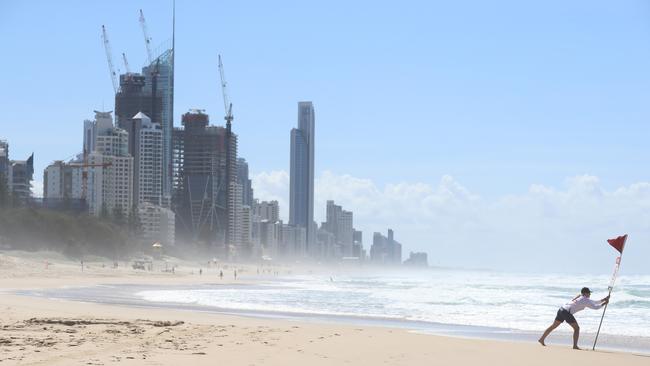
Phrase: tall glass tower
pixel 301 205
pixel 159 76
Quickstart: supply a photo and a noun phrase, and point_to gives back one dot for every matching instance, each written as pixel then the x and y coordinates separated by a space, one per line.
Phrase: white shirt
pixel 580 304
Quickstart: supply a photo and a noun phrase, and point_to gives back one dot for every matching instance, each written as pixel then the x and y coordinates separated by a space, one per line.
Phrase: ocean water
pixel 525 302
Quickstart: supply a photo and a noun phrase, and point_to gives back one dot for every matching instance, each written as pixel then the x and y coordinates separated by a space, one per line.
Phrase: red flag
pixel 618 243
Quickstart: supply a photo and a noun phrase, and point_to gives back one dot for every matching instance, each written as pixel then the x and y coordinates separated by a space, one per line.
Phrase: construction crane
pixel 147 39
pixel 109 58
pixel 227 106
pixel 126 63
pixel 229 173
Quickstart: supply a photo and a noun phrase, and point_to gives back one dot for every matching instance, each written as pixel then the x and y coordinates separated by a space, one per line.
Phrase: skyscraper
pixel 245 182
pixel 301 200
pixel 200 181
pixel 110 174
pixel 134 97
pixel 340 223
pixel 159 83
pixel 148 161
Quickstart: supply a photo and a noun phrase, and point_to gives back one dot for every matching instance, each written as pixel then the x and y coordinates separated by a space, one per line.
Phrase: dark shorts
pixel 565 315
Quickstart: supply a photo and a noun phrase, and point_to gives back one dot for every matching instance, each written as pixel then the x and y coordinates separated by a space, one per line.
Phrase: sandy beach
pixel 41 331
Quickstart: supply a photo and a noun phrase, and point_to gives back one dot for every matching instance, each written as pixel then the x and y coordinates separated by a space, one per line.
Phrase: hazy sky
pixel 497 134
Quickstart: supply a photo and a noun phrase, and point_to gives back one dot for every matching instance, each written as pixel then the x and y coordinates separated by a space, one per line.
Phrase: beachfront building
pixel 301 190
pixel 109 169
pixel 417 259
pixel 4 159
pixel 266 228
pixel 148 160
pixel 293 242
pixel 157 224
pixel 357 245
pixel 63 186
pixel 385 250
pixel 20 176
pixel 5 190
pixel 340 223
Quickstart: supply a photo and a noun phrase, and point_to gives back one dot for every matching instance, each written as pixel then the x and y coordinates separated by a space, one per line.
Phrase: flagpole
pixel 611 287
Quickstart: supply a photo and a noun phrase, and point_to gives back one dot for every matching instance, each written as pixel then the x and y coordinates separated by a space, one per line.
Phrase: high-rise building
pixel 133 97
pixel 200 198
pixel 158 224
pixel 20 176
pixel 340 223
pixel 90 136
pixel 266 227
pixel 293 241
pixel 234 217
pixel 110 171
pixel 267 210
pixel 4 160
pixel 385 250
pixel 159 82
pixel 245 182
pixel 357 247
pixel 270 236
pixel 5 189
pixel 147 160
pixel 62 187
pixel 301 209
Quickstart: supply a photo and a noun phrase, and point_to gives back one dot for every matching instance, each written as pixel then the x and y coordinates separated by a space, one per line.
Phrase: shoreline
pixel 125 295
pixel 42 331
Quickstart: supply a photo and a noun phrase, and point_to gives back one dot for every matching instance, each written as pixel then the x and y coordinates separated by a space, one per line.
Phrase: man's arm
pixel 592 304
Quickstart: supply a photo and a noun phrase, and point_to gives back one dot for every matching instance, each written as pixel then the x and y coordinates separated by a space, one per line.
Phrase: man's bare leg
pixel 576 334
pixel 548 331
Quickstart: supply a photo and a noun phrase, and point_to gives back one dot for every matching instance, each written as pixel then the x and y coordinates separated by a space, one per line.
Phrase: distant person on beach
pixel 565 313
pixel 221 275
pixel 235 273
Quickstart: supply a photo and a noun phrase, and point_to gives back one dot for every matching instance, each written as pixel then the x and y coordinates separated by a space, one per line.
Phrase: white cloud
pixel 545 228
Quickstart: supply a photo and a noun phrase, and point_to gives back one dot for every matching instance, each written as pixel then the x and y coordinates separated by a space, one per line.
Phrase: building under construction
pixel 201 175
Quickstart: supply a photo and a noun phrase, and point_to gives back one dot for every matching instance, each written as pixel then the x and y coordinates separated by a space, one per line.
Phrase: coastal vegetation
pixel 75 235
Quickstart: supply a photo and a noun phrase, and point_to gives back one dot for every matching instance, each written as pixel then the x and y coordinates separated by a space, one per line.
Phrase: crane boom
pixel 126 63
pixel 227 106
pixel 147 39
pixel 109 58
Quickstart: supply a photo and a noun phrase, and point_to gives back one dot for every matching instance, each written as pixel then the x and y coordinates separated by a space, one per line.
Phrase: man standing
pixel 566 313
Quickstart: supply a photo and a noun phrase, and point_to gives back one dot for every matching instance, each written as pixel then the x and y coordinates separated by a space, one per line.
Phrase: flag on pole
pixel 618 243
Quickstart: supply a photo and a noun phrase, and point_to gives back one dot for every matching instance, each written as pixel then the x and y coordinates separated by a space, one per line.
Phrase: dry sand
pixel 39 331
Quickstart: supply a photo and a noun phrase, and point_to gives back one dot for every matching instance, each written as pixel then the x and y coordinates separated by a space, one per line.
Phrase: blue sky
pixel 499 95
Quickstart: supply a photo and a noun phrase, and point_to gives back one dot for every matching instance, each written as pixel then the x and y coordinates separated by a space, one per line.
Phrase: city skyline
pixel 568 147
